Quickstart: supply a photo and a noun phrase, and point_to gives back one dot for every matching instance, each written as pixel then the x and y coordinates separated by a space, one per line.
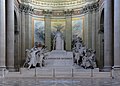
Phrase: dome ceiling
pixel 58 4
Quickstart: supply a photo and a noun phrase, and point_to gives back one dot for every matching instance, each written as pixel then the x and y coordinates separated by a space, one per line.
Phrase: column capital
pixel 26 8
pixel 47 12
pixel 68 12
pixel 90 8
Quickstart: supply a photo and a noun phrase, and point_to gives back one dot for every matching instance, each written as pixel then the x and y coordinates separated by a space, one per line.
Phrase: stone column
pixel 2 34
pixel 86 30
pixel 94 30
pixel 116 34
pixel 68 33
pixel 22 34
pixel 98 39
pixel 10 34
pixel 30 31
pixel 108 34
pixel 48 31
pixel 27 29
pixel 20 54
pixel 30 27
pixel 89 28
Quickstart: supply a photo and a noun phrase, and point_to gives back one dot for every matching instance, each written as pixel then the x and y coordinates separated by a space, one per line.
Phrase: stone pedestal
pixel 60 54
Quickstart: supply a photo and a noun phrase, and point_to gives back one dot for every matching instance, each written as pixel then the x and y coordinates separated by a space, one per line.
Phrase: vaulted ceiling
pixel 58 4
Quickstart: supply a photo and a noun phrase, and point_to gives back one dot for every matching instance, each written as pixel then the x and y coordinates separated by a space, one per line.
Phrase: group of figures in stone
pixel 82 56
pixel 35 56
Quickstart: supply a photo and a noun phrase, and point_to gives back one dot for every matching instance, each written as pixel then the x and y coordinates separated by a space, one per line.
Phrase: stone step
pixel 57 70
pixel 58 63
pixel 60 73
pixel 59 54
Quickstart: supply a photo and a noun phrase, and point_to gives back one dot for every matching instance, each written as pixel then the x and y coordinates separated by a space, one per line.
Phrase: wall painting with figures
pixel 55 22
pixel 38 31
pixel 78 27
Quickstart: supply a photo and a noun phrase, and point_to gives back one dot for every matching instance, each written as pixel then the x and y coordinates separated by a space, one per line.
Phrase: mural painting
pixel 56 22
pixel 39 31
pixel 77 27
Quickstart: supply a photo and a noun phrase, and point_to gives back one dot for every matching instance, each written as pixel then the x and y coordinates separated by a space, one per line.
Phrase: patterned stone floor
pixel 58 82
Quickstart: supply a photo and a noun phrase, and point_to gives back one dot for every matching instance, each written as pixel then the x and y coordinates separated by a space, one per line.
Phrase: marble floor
pixel 58 82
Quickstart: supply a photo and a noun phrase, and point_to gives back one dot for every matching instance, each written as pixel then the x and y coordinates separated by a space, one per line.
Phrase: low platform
pixel 59 73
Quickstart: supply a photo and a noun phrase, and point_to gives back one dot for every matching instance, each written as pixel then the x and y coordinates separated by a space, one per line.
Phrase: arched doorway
pixel 16 42
pixel 101 33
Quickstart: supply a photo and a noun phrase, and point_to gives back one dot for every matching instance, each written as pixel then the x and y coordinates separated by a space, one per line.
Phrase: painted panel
pixel 77 27
pixel 39 31
pixel 55 22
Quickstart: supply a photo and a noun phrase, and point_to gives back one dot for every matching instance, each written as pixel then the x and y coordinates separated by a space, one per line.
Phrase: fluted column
pixel 116 34
pixel 86 30
pixel 20 54
pixel 89 29
pixel 22 35
pixel 68 28
pixel 30 31
pixel 48 31
pixel 108 34
pixel 2 34
pixel 98 40
pixel 10 34
pixel 94 30
pixel 27 30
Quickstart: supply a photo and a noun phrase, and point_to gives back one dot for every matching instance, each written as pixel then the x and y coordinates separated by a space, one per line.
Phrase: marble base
pixel 107 68
pixel 116 67
pixel 60 54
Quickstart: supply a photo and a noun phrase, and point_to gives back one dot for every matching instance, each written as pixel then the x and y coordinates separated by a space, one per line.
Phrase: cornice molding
pixel 69 12
pixel 90 8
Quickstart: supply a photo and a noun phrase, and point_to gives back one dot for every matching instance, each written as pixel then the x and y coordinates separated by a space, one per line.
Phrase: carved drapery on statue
pixel 58 41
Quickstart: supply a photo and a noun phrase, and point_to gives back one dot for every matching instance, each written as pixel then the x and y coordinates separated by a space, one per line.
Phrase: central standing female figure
pixel 58 39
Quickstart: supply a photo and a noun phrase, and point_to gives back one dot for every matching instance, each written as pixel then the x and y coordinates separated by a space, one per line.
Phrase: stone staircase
pixel 60 54
pixel 59 73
